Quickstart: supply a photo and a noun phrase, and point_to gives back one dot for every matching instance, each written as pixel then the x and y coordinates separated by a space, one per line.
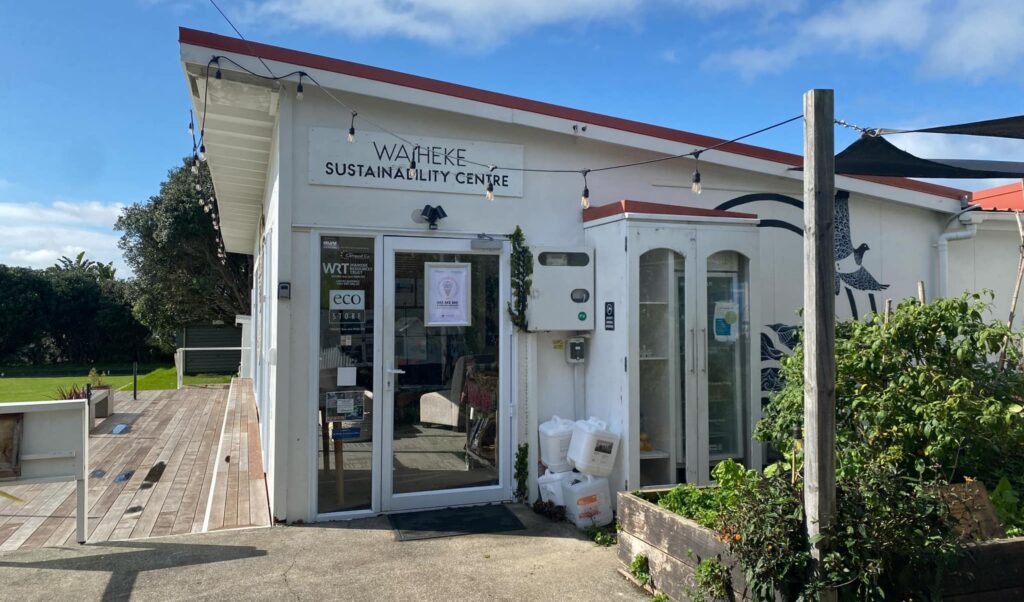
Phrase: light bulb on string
pixel 298 91
pixel 191 125
pixel 352 129
pixel 412 163
pixel 585 197
pixel 490 184
pixel 199 187
pixel 216 75
pixel 202 149
pixel 695 185
pixel 195 167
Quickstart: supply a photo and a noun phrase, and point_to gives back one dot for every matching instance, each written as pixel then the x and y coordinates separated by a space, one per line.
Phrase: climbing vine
pixel 522 469
pixel 522 270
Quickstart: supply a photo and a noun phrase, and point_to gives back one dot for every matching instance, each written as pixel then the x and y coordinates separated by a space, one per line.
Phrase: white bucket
pixel 587 501
pixel 550 486
pixel 555 435
pixel 593 447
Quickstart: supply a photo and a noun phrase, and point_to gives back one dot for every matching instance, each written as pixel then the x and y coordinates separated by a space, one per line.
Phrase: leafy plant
pixel 1007 504
pixel 70 392
pixel 920 392
pixel 703 504
pixel 640 569
pixel 602 536
pixel 659 597
pixel 522 269
pixel 712 580
pixel 95 379
pixel 522 471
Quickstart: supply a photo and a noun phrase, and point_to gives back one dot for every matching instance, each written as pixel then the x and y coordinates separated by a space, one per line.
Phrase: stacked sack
pixel 588 447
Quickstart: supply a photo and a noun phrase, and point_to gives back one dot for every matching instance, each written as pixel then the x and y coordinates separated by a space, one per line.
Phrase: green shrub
pixel 640 569
pixel 712 580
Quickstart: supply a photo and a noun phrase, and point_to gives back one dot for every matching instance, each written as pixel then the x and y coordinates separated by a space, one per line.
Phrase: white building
pixel 373 327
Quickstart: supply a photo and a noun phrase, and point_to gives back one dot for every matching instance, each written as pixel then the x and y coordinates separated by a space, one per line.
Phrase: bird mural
pixel 850 270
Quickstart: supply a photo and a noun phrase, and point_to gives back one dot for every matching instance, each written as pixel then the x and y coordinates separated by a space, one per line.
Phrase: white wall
pixel 988 261
pixel 900 238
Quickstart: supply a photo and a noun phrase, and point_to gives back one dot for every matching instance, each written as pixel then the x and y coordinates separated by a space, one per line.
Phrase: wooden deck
pixel 189 462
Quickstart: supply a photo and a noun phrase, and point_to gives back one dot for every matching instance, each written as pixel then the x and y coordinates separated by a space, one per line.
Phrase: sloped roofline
pixel 214 41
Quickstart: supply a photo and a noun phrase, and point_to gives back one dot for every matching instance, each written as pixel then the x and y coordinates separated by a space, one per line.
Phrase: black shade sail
pixel 876 156
pixel 1004 127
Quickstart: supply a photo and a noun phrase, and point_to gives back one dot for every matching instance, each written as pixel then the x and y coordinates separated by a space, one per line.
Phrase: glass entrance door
pixel 445 375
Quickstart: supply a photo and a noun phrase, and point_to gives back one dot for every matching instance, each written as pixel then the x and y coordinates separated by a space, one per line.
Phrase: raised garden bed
pixel 674 546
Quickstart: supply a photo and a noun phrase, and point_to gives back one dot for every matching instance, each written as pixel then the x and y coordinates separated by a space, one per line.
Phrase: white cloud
pixel 959 39
pixel 478 24
pixel 979 39
pixel 37 235
pixel 669 56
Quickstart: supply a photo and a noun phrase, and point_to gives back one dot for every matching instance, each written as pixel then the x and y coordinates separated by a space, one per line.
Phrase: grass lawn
pixel 42 388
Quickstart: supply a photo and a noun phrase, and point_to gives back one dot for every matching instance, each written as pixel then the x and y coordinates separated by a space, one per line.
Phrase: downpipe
pixel 967 231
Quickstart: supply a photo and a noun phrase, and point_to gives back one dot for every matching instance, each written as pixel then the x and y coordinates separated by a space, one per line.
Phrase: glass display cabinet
pixel 678 287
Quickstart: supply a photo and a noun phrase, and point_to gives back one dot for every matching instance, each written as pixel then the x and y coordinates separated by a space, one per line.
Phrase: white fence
pixel 54 447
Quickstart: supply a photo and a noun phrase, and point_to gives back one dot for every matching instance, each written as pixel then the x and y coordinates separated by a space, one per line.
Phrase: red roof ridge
pixel 629 206
pixel 1008 197
pixel 214 41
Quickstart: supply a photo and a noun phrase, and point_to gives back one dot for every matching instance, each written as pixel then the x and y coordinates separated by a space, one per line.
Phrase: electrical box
pixel 562 294
pixel 575 350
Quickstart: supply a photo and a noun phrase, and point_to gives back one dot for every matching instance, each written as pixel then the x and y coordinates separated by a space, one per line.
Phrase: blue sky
pixel 94 105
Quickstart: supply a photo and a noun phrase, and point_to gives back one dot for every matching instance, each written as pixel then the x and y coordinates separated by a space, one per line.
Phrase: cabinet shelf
pixel 654 454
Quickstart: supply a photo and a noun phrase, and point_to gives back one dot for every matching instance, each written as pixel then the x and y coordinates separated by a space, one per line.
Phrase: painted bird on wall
pixel 853 274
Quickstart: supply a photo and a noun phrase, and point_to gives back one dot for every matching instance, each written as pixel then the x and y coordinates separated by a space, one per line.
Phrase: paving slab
pixel 356 560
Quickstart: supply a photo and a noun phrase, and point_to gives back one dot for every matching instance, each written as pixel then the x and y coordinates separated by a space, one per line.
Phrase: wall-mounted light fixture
pixel 432 214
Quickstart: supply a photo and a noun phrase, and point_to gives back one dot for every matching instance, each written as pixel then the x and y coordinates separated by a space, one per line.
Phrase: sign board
pixel 345 405
pixel 609 315
pixel 447 297
pixel 378 160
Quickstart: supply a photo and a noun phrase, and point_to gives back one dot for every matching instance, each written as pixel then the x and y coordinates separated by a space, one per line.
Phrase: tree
pixel 172 245
pixel 25 308
pixel 100 271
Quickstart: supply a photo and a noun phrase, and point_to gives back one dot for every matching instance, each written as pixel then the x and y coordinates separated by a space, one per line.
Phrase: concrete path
pixel 358 560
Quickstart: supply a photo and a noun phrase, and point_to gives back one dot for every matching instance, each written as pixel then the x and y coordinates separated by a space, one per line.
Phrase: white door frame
pixel 393 502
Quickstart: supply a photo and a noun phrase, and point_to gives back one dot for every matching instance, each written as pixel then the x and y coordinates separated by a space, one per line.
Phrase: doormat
pixel 450 522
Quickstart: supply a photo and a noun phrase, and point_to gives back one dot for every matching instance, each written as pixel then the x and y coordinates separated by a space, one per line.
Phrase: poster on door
pixel 447 294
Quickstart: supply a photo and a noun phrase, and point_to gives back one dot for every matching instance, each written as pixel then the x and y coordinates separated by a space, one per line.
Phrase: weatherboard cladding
pixel 212 362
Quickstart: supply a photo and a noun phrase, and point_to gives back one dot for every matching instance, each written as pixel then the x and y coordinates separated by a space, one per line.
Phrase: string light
pixel 412 162
pixel 191 124
pixel 412 172
pixel 195 165
pixel 199 187
pixel 585 197
pixel 695 186
pixel 490 184
pixel 298 91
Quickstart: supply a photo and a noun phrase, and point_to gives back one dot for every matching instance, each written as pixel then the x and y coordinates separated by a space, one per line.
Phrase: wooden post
pixel 920 291
pixel 1016 289
pixel 819 321
pixel 888 310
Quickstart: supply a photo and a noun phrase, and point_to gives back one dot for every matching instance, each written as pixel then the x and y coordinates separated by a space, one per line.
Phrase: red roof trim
pixel 314 61
pixel 628 206
pixel 1009 197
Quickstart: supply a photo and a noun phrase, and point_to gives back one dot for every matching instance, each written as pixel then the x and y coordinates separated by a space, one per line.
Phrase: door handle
pixel 704 336
pixel 395 371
